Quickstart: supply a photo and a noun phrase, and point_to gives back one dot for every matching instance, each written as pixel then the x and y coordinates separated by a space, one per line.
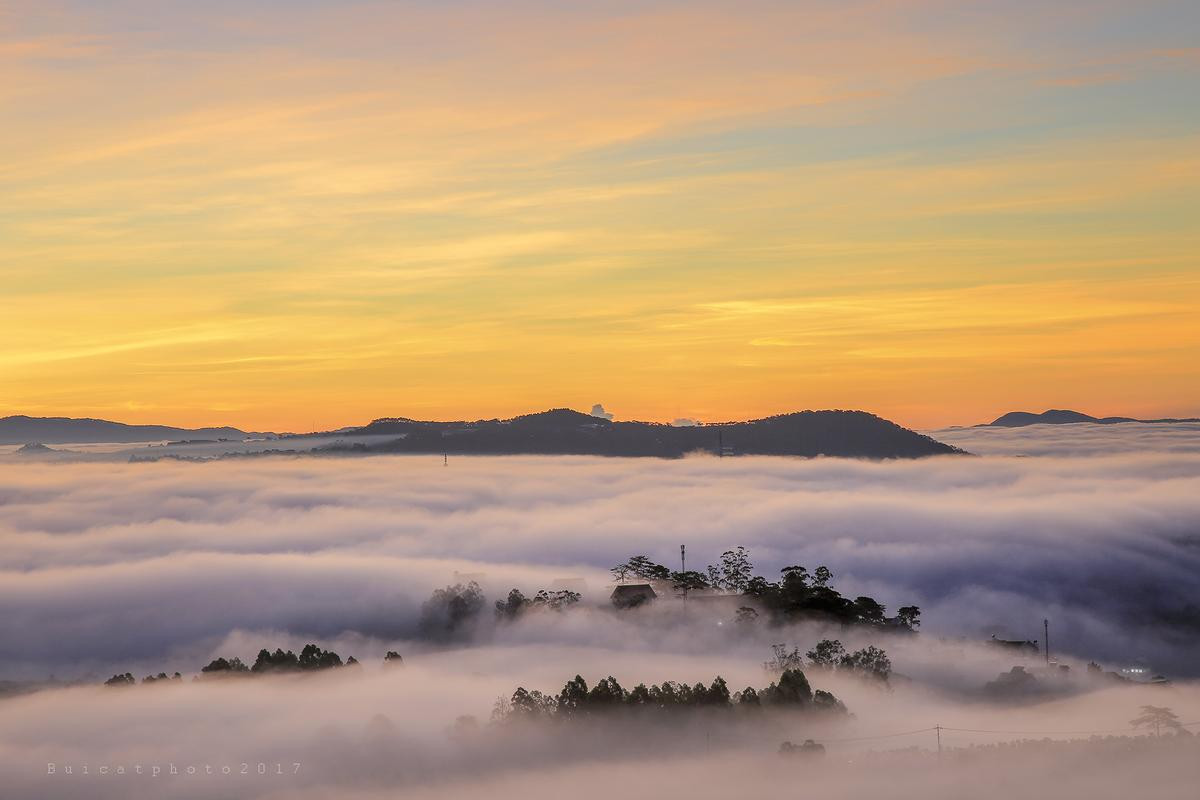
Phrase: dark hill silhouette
pixel 34 449
pixel 566 432
pixel 68 430
pixel 1058 416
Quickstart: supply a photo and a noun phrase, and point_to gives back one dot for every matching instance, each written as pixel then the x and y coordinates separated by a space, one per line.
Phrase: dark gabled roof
pixel 633 589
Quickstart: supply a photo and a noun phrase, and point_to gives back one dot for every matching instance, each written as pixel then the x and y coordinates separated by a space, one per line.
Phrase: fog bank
pixel 131 564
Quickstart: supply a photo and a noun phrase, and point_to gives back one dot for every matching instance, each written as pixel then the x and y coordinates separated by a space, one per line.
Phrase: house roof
pixel 634 590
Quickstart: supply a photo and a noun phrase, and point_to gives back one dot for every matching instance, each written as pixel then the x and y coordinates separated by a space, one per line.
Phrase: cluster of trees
pixel 798 594
pixel 127 679
pixel 828 655
pixel 450 612
pixel 576 700
pixel 808 749
pixel 517 603
pixel 312 658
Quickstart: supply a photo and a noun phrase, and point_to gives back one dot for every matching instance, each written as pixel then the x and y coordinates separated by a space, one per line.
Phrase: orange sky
pixel 282 216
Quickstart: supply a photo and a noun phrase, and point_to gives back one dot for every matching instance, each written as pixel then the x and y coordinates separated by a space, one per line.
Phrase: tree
pixel 121 680
pixel 792 690
pixel 684 582
pixel 221 665
pixel 794 577
pixel 511 606
pixel 528 705
pixel 826 653
pixel 449 612
pixel 642 567
pixel 825 701
pixel 783 659
pixel 735 572
pixel 393 659
pixel 717 693
pixel 669 694
pixel 639 696
pixel 620 572
pixel 759 586
pixel 821 576
pixel 867 610
pixel 745 617
pixel 556 601
pixel 1159 717
pixel 869 662
pixel 279 661
pixel 573 697
pixel 909 617
pixel 517 603
pixel 606 694
pixel 313 657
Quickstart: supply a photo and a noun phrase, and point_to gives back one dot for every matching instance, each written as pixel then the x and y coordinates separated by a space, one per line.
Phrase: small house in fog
pixel 630 595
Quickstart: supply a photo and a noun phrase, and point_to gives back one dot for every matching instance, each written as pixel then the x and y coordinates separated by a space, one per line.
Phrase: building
pixel 631 595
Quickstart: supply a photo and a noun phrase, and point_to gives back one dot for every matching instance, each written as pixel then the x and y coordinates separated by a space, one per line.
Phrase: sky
pixel 297 215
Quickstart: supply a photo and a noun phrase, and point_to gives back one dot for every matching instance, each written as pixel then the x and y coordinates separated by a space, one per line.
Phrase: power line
pixel 881 736
pixel 1056 733
pixel 1110 732
pixel 1034 733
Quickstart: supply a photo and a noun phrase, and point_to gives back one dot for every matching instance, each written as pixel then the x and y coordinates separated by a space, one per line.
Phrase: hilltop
pixel 1056 416
pixel 562 431
pixel 69 430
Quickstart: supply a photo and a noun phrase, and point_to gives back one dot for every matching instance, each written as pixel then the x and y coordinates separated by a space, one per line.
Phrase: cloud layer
pixel 1083 439
pixel 110 567
pixel 145 564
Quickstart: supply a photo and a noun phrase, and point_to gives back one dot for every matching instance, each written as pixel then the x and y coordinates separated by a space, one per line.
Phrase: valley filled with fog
pixel 110 568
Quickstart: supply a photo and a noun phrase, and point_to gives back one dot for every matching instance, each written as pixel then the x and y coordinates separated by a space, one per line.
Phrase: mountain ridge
pixel 563 431
pixel 22 429
pixel 1063 416
pixel 557 431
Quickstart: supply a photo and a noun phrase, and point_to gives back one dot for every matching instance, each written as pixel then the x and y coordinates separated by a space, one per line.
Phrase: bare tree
pixel 1158 716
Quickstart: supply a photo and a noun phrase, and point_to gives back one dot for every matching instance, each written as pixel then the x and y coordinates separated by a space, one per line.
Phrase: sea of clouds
pixel 115 567
pixel 111 564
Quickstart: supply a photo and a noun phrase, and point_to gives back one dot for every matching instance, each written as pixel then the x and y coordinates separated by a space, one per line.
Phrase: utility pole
pixel 445 459
pixel 682 569
pixel 1046 630
pixel 938 728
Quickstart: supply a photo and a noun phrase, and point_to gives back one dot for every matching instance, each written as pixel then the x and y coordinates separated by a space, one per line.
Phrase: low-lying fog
pixel 399 732
pixel 109 568
pixel 1075 439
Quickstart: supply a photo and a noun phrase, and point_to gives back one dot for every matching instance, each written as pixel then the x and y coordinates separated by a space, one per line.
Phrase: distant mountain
pixel 563 431
pixel 34 449
pixel 66 430
pixel 1055 416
